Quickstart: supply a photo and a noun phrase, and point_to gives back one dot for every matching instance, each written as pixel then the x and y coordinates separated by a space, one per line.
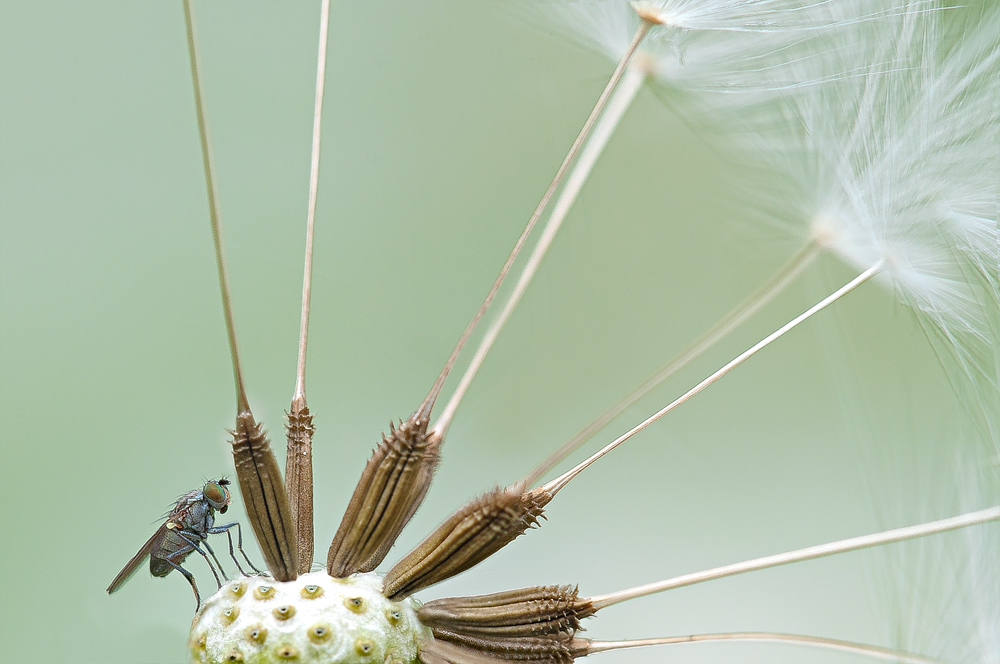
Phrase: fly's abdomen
pixel 159 566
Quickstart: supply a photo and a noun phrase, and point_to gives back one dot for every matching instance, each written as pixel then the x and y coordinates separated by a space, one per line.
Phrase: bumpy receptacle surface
pixel 315 618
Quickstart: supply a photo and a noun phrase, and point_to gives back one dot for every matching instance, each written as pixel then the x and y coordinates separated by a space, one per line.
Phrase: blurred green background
pixel 444 122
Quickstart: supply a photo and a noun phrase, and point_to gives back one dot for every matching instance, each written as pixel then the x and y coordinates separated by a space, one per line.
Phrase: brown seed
pixel 355 604
pixel 264 496
pixel 538 651
pixel 392 486
pixel 263 592
pixel 299 432
pixel 468 537
pixel 233 656
pixel 534 611
pixel 231 614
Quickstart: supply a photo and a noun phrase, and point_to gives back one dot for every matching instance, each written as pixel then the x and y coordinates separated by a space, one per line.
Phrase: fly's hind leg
pixel 190 577
pixel 239 536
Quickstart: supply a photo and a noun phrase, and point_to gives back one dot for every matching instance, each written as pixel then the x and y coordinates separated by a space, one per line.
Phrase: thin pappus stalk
pixel 399 472
pixel 771 289
pixel 558 483
pixel 616 107
pixel 299 426
pixel 854 648
pixel 486 524
pixel 808 553
pixel 406 460
pixel 256 468
pixel 130 310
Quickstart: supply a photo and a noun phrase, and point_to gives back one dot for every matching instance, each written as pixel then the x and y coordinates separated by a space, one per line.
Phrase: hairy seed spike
pixel 391 488
pixel 534 611
pixel 264 497
pixel 299 432
pixel 471 535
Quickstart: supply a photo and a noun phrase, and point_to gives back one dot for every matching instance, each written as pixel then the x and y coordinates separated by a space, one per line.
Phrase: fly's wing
pixel 137 560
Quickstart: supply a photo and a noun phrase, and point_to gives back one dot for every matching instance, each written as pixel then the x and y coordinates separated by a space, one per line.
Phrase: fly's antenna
pixel 259 476
pixel 299 427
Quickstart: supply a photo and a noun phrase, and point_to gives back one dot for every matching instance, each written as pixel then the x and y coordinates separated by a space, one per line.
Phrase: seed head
pixel 314 618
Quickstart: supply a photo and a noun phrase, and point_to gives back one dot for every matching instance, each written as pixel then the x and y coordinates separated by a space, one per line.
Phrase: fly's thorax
pixel 315 618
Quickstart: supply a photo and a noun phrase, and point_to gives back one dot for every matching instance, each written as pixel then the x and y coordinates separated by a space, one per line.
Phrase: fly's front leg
pixel 239 536
pixel 192 539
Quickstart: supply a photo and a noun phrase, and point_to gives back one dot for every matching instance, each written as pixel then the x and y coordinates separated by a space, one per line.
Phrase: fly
pixel 188 525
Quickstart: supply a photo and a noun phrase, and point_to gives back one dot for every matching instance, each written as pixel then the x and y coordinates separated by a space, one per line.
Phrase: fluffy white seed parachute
pixel 945 592
pixel 715 45
pixel 894 157
pixel 871 129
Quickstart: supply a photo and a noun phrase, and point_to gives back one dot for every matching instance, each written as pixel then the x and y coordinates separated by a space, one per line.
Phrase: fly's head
pixel 217 495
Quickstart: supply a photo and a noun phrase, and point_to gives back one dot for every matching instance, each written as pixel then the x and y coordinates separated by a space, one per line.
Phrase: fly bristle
pixel 391 488
pixel 471 535
pixel 448 648
pixel 264 496
pixel 535 611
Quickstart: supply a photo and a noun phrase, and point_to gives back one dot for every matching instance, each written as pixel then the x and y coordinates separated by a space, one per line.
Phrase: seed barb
pixel 469 536
pixel 534 611
pixel 392 486
pixel 264 496
pixel 299 432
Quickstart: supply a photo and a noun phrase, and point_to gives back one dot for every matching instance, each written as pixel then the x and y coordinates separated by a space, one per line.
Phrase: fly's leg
pixel 212 553
pixel 225 528
pixel 189 576
pixel 232 554
pixel 192 539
